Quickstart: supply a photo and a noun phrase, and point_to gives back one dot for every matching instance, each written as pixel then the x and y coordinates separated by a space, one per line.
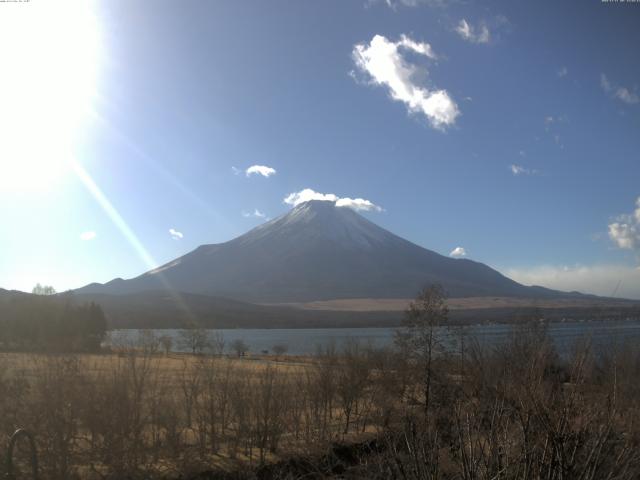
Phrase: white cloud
pixel 550 120
pixel 621 93
pixel 420 48
pixel 88 235
pixel 625 231
pixel 520 170
pixel 393 4
pixel 256 213
pixel 596 279
pixel 358 204
pixel 562 72
pixel 468 32
pixel 554 124
pixel 306 195
pixel 458 252
pixel 175 234
pixel 624 235
pixel 626 96
pixel 236 171
pixel 416 3
pixel 383 61
pixel 260 170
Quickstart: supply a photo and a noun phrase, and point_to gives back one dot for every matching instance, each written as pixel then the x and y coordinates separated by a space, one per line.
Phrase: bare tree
pixel 240 347
pixel 167 343
pixel 216 343
pixel 418 339
pixel 270 403
pixel 148 341
pixel 352 377
pixel 280 349
pixel 194 340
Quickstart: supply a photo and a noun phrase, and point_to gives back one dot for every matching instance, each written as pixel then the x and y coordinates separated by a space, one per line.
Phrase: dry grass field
pixel 401 304
pixel 145 414
pixel 172 365
pixel 519 411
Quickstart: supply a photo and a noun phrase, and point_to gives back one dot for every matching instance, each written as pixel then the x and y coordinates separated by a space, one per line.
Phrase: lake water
pixel 302 341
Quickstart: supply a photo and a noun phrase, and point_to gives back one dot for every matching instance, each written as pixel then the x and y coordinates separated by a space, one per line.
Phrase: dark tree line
pixel 43 323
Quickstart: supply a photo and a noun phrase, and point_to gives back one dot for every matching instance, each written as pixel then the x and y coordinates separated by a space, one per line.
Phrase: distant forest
pixel 48 323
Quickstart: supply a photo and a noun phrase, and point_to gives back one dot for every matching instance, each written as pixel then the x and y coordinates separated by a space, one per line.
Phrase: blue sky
pixel 509 129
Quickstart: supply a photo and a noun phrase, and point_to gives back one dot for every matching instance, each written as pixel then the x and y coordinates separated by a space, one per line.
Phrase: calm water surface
pixel 303 341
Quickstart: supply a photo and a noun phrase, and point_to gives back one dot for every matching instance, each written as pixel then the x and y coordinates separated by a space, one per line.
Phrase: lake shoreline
pixel 307 341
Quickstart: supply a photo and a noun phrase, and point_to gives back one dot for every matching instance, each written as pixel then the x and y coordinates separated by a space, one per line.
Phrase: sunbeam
pixel 113 215
pixel 158 168
pixel 126 231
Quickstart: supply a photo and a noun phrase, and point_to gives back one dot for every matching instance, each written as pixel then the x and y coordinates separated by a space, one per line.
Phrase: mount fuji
pixel 319 251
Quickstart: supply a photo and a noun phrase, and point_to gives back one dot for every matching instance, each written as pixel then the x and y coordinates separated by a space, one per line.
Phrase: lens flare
pixel 50 54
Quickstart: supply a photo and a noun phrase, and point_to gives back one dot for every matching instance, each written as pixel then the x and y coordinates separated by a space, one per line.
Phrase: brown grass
pixel 514 412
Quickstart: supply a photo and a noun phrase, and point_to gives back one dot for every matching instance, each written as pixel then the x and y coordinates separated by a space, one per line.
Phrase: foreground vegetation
pixel 418 411
pixel 519 411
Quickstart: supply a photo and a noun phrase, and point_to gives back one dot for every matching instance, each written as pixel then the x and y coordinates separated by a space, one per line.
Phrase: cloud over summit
pixel 306 195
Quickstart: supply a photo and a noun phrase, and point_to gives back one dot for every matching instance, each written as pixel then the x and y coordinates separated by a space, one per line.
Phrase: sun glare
pixel 49 53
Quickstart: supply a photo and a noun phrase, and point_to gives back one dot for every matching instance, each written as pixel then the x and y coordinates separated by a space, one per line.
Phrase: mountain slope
pixel 318 251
